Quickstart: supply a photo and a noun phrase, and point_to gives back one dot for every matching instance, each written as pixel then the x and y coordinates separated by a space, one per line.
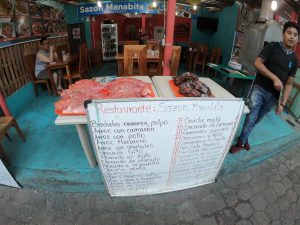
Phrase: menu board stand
pixel 5 177
pixel 148 146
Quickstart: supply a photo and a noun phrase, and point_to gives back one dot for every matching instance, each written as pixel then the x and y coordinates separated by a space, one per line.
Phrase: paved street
pixel 267 193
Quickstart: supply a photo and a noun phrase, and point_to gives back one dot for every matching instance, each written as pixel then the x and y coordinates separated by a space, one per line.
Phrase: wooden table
pixel 60 65
pixel 56 66
pixel 120 59
pixel 163 89
pixel 81 121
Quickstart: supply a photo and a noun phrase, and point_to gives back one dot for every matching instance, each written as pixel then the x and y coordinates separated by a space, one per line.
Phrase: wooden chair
pixel 95 55
pixel 6 123
pixel 131 42
pixel 190 55
pixel 133 53
pixel 200 58
pixel 155 69
pixel 292 99
pixel 215 55
pixel 80 66
pixel 175 60
pixel 29 60
pixel 215 58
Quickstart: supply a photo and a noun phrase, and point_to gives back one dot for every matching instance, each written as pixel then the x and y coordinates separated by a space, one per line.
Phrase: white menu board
pixel 6 178
pixel 158 145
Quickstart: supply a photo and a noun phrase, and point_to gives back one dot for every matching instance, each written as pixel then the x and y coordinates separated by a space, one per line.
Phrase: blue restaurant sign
pixel 116 7
pixel 89 9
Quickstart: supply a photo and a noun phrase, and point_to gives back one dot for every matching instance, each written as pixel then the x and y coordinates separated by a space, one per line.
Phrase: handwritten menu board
pixel 6 178
pixel 153 146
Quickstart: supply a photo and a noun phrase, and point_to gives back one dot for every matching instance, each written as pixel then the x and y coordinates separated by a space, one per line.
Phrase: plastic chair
pixel 292 99
pixel 200 58
pixel 29 60
pixel 135 53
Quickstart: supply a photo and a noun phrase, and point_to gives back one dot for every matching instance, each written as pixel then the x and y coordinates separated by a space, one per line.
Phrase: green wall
pixel 71 17
pixel 223 37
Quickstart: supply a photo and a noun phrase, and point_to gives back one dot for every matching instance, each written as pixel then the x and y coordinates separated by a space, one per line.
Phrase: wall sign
pixel 89 9
pixel 154 146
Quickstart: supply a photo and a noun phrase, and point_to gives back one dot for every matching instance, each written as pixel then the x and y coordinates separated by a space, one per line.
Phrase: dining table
pixel 62 64
pixel 152 56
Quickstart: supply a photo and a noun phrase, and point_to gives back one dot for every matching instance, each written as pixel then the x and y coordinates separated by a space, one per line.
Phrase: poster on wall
pixel 21 8
pixel 37 28
pixel 7 31
pixel 35 10
pixel 46 13
pixel 6 9
pixel 76 33
pixel 23 28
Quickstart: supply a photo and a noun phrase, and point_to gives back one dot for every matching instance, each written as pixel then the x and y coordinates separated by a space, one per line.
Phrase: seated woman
pixel 45 55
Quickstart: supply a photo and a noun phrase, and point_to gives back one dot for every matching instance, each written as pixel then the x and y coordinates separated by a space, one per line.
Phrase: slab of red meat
pixel 128 88
pixel 73 98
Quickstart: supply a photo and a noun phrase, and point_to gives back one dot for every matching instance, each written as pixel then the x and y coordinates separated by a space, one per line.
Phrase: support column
pixel 143 22
pixel 169 36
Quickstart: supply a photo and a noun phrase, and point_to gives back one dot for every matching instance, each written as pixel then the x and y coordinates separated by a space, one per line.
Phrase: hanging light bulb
pixel 274 5
pixel 154 4
pixel 195 7
pixel 99 4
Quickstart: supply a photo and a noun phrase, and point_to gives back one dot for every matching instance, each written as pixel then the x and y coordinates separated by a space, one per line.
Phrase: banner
pixel 89 9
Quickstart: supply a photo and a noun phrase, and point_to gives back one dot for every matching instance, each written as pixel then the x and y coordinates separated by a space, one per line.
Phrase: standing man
pixel 276 67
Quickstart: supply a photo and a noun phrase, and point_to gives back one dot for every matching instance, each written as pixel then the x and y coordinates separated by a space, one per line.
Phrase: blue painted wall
pixel 223 37
pixel 19 100
pixel 71 17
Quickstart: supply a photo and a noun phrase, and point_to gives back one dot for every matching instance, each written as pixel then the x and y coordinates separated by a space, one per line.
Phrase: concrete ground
pixel 267 193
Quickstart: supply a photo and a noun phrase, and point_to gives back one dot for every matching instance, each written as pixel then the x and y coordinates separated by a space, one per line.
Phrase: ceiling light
pixel 274 5
pixel 99 4
pixel 154 4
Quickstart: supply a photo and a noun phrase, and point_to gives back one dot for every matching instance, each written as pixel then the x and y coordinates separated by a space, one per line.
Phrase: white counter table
pixel 81 121
pixel 161 84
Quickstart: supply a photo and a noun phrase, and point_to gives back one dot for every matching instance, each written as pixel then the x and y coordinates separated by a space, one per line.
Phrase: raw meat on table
pixel 72 99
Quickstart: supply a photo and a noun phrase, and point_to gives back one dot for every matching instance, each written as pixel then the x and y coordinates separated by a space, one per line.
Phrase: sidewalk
pixel 267 193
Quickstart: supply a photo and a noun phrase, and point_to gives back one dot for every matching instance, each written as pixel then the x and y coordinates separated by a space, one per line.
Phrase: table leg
pixel 120 68
pixel 69 74
pixel 84 139
pixel 190 61
pixel 50 74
